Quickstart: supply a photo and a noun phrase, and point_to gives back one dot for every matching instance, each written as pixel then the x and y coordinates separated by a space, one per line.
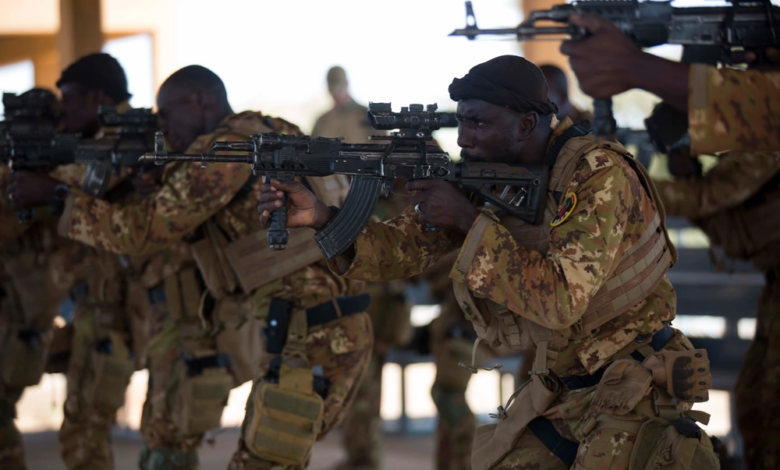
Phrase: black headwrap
pixel 98 72
pixel 508 81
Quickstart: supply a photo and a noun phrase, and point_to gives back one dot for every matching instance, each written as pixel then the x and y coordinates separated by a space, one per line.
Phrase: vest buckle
pixel 500 415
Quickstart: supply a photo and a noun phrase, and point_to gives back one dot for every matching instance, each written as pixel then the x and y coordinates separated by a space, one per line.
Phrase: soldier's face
pixel 488 133
pixel 80 109
pixel 181 117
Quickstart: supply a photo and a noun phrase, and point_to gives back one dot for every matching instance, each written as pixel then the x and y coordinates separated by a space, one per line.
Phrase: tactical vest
pixel 745 231
pixel 639 271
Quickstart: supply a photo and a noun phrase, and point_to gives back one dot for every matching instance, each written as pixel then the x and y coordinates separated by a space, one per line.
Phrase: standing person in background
pixel 347 118
pixel 362 428
pixel 558 89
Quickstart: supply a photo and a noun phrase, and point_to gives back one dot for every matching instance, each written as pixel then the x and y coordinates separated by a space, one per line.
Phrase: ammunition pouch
pixel 286 412
pixel 112 366
pixel 676 445
pixel 202 394
pixel 24 352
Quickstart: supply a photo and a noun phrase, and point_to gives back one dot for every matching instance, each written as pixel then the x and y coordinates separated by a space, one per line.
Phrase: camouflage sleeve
pixel 733 110
pixel 396 249
pixel 553 290
pixel 189 196
pixel 736 177
pixel 72 175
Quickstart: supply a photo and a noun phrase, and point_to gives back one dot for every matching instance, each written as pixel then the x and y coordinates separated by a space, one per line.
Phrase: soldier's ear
pixel 526 125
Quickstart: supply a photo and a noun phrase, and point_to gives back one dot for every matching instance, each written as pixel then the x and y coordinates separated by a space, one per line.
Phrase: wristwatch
pixel 58 197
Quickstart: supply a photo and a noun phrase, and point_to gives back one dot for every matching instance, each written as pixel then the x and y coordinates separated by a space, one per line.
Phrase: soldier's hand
pixel 442 204
pixel 604 61
pixel 28 190
pixel 148 182
pixel 303 207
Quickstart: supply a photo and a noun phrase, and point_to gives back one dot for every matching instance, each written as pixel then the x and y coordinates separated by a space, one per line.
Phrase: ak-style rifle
pixel 407 153
pixel 709 35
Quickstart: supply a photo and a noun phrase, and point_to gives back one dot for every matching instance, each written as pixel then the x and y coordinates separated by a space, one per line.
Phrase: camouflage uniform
pixel 611 214
pixel 191 196
pixel 718 202
pixel 28 304
pixel 725 106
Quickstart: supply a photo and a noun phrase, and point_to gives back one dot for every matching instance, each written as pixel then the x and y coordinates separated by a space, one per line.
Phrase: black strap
pixel 326 312
pixel 196 366
pixel 578 130
pixel 563 448
pixel 156 294
pixel 658 341
pixel 79 291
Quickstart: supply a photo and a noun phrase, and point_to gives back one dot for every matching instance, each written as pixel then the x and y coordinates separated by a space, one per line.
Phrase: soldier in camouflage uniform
pixel 28 304
pixel 721 104
pixel 361 430
pixel 205 210
pixel 736 204
pixel 564 291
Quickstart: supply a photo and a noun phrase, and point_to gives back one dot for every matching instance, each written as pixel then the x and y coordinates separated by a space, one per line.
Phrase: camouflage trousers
pixel 11 448
pixel 457 424
pixel 92 402
pixel 166 446
pixel 362 427
pixel 343 349
pixel 758 387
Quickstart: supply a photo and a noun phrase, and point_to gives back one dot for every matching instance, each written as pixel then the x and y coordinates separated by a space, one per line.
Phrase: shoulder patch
pixel 567 208
pixel 600 158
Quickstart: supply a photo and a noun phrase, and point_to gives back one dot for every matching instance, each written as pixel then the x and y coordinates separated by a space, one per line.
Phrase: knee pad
pixel 284 413
pixel 167 459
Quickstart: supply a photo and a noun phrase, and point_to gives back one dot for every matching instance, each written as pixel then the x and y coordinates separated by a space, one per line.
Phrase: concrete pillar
pixel 80 30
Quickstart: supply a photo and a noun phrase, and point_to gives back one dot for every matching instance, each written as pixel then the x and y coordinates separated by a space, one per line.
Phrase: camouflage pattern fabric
pixel 553 290
pixel 726 105
pixel 390 319
pixel 757 391
pixel 452 338
pixel 734 180
pixel 343 349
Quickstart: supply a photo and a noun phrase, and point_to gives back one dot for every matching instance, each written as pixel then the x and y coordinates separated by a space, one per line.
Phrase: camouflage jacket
pixel 733 110
pixel 738 180
pixel 552 290
pixel 190 196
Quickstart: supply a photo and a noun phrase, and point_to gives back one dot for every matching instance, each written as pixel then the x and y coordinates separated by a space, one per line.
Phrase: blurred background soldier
pixel 347 118
pixel 361 431
pixel 109 324
pixel 736 203
pixel 558 91
pixel 29 298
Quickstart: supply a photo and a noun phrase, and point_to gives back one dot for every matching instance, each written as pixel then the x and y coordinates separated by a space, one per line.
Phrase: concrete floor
pixel 408 453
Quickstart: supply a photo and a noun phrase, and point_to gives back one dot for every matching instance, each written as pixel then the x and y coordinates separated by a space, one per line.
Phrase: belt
pixel 196 366
pixel 327 312
pixel 576 382
pixel 279 317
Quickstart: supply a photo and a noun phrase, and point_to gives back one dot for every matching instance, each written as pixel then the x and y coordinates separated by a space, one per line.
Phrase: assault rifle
pixel 708 34
pixel 35 146
pixel 407 153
